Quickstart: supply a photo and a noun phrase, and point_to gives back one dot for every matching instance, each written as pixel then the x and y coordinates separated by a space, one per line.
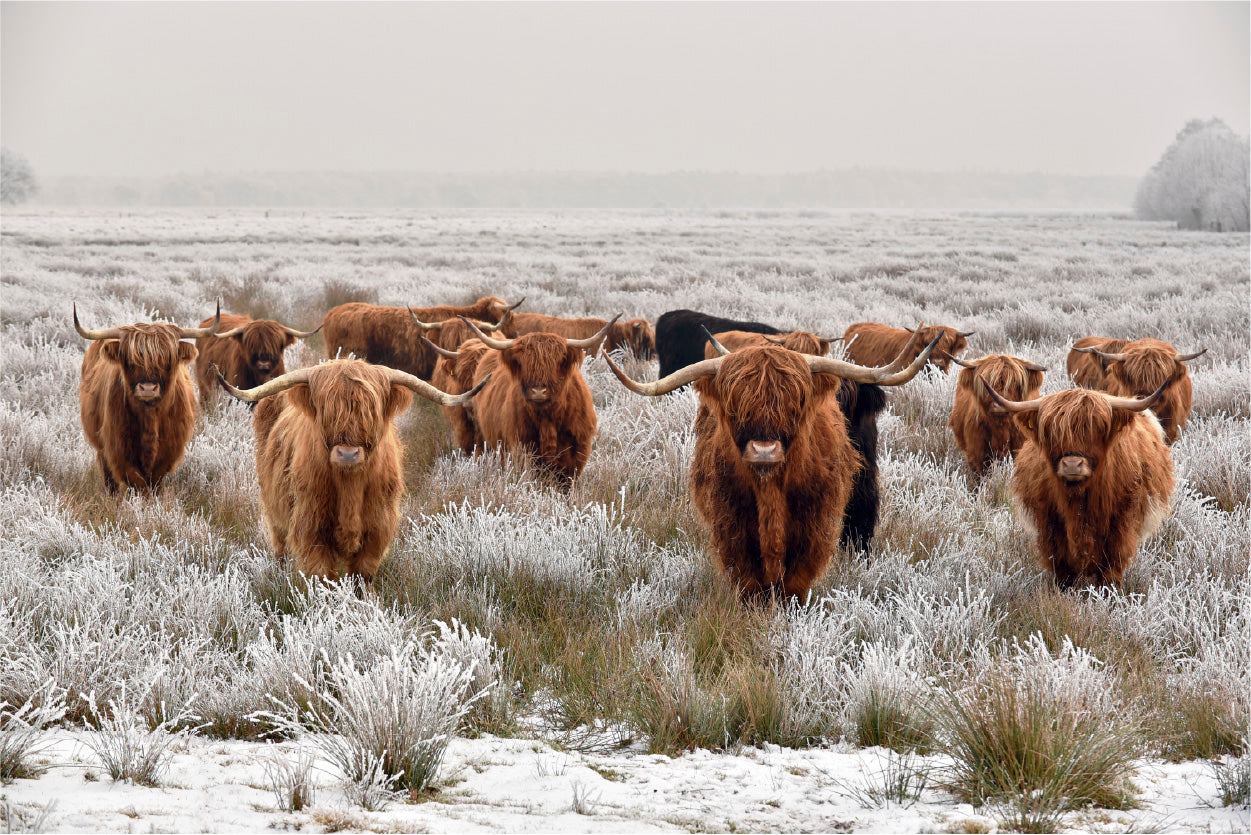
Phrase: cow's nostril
pixel 344 454
pixel 764 452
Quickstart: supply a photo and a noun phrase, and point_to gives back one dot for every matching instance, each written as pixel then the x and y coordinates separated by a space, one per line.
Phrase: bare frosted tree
pixel 1201 182
pixel 17 178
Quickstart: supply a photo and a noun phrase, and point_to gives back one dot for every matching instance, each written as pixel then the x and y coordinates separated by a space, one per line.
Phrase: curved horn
pixel 594 341
pixel 1012 405
pixel 497 344
pixel 772 339
pixel 965 333
pixel 269 387
pixel 302 334
pixel 420 386
pixel 211 330
pixel 443 352
pixel 961 362
pixel 103 333
pixel 508 313
pixel 430 326
pixel 1188 357
pixel 1097 352
pixel 514 305
pixel 1136 405
pixel 901 359
pixel 886 375
pixel 721 349
pixel 679 378
pixel 1031 366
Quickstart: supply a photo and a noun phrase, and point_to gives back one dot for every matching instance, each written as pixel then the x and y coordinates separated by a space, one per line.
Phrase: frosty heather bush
pixel 21 729
pixel 130 747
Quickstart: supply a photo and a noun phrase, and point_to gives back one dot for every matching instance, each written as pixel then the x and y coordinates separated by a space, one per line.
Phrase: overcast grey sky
pixel 158 88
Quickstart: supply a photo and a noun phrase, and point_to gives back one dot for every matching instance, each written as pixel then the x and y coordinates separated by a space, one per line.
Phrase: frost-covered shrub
pixel 21 728
pixel 130 747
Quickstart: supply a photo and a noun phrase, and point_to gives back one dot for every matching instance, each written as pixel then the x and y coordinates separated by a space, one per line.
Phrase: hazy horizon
pixel 157 89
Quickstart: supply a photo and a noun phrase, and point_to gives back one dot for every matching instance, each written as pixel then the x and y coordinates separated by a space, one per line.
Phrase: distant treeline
pixel 852 189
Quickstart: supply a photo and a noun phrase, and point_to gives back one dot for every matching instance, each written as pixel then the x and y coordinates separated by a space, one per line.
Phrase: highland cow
pixel 1142 366
pixel 329 461
pixel 869 343
pixel 1087 369
pixel 248 354
pixel 538 400
pixel 454 374
pixel 391 336
pixel 1093 479
pixel 636 334
pixel 984 430
pixel 773 469
pixel 136 400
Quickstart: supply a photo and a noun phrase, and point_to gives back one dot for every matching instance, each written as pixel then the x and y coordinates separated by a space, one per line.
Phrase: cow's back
pixel 680 336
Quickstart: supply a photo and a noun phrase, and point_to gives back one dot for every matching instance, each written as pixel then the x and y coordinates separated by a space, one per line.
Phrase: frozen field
pixel 620 687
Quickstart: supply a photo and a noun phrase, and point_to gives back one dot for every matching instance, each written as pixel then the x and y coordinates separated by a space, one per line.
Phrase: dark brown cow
pixel 636 334
pixel 136 400
pixel 538 400
pixel 1093 479
pixel 773 467
pixel 248 353
pixel 454 374
pixel 329 461
pixel 1142 366
pixel 869 343
pixel 391 336
pixel 1088 369
pixel 984 430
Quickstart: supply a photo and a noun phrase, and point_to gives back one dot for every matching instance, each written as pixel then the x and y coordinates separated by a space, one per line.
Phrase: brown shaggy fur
pixel 321 513
pixel 389 336
pixel 984 431
pixel 1147 364
pixel 636 334
pixel 877 345
pixel 559 426
pixel 774 529
pixel 457 377
pixel 261 343
pixel 138 442
pixel 800 341
pixel 1088 531
pixel 1088 370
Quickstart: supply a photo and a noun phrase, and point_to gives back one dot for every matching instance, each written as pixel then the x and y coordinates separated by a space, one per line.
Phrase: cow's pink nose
pixel 264 365
pixel 764 452
pixel 343 454
pixel 1073 467
pixel 147 391
pixel 538 394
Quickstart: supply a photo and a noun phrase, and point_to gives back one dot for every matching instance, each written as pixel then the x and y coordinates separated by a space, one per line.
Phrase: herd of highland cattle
pixel 785 461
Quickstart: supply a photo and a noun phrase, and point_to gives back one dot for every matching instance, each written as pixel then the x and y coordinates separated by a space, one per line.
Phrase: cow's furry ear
pixel 825 385
pixel 1027 422
pixel 110 349
pixel 299 397
pixel 187 352
pixel 398 400
pixel 1121 418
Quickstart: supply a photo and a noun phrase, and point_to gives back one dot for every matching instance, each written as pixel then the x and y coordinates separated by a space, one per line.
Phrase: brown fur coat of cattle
pixel 801 341
pixel 984 430
pixel 139 439
pixel 1143 366
pixel 872 344
pixel 1092 480
pixel 247 351
pixel 330 463
pixel 455 374
pixel 389 335
pixel 636 334
pixel 1088 370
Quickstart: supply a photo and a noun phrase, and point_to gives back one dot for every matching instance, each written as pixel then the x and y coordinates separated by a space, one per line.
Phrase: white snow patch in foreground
pixel 495 784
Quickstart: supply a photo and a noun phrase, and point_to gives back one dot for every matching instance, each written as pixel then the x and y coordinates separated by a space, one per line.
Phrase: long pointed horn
pixel 592 343
pixel 514 305
pixel 676 380
pixel 961 362
pixel 497 344
pixel 883 376
pixel 498 326
pixel 430 326
pixel 901 359
pixel 211 330
pixel 420 386
pixel 965 333
pixel 769 338
pixel 303 334
pixel 1188 357
pixel 1031 366
pixel 269 387
pixel 721 349
pixel 443 352
pixel 1097 352
pixel 1136 405
pixel 103 333
pixel 1012 405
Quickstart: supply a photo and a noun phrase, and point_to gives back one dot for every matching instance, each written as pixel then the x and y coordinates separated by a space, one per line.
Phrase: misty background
pixel 960 105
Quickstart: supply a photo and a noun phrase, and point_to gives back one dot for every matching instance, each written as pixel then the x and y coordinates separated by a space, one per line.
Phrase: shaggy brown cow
pixel 391 336
pixel 1144 365
pixel 248 354
pixel 454 374
pixel 329 461
pixel 984 430
pixel 136 400
pixel 1088 369
pixel 538 399
pixel 773 467
pixel 802 342
pixel 869 343
pixel 1093 479
pixel 636 334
